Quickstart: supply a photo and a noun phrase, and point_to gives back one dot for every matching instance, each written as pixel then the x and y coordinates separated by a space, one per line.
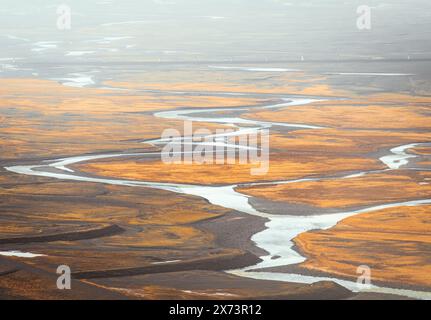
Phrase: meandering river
pixel 277 238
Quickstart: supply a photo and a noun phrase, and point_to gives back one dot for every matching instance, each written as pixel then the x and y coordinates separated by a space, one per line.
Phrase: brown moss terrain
pixel 151 219
pixel 353 136
pixel 335 141
pixel 217 81
pixel 279 169
pixel 394 243
pixel 60 219
pixel 44 120
pixel 383 111
pixel 97 228
pixel 200 285
pixel 367 190
pixel 300 154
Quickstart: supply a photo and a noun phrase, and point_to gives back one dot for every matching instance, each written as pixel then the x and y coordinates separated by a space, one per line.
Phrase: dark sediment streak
pixel 70 236
pixel 322 290
pixel 8 272
pixel 217 263
pixel 234 230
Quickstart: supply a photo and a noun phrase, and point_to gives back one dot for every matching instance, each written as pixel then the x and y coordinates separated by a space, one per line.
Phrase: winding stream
pixel 280 230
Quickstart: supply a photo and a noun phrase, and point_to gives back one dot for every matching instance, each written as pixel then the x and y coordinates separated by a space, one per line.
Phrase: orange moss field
pixel 54 122
pixel 352 117
pixel 394 243
pixel 228 287
pixel 293 155
pixel 422 151
pixel 219 80
pixel 122 205
pixel 362 191
pixel 43 119
pixel 60 98
pixel 289 87
pixel 157 226
pixel 280 168
pixel 340 141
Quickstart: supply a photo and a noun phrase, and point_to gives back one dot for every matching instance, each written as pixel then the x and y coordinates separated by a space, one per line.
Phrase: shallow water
pixel 15 253
pixel 280 230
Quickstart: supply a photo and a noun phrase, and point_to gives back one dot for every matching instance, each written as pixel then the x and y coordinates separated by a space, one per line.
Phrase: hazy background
pixel 218 29
pixel 108 33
